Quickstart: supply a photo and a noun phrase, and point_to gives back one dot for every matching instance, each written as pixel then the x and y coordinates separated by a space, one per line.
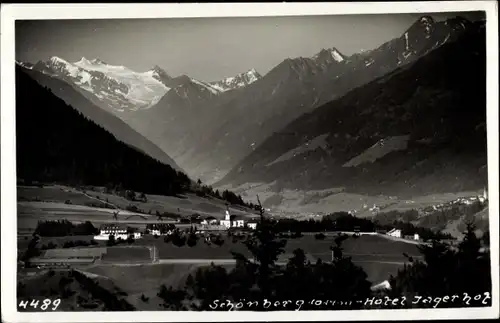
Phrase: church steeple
pixel 228 215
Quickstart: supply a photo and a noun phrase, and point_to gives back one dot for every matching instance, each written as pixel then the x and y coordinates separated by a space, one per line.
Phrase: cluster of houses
pixel 483 198
pixel 122 231
pixel 229 221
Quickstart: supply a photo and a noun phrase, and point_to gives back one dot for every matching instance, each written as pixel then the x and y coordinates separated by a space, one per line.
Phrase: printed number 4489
pixel 44 305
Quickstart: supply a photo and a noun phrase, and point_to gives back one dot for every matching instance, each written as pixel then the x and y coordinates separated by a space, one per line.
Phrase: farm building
pixel 395 233
pixel 117 230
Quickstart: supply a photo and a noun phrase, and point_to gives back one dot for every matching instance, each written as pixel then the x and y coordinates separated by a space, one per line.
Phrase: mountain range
pixel 323 118
pixel 420 129
pixel 121 89
pixel 236 124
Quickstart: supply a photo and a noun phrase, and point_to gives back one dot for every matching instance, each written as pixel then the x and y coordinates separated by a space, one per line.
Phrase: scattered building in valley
pixel 118 230
pixel 395 233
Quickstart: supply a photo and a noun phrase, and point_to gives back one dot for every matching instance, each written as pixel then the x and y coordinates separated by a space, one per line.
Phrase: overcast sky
pixel 207 48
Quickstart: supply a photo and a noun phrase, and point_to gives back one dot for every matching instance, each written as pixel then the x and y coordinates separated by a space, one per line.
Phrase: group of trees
pixel 112 241
pixel 205 190
pixel 259 282
pixel 61 228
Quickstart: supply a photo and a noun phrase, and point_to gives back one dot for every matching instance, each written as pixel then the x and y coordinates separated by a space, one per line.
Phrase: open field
pixel 362 248
pixel 379 257
pixel 127 254
pixel 29 213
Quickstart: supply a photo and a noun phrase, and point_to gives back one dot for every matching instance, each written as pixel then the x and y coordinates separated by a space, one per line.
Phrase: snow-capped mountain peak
pixel 98 61
pixel 118 86
pixel 235 82
pixel 327 56
pixel 161 75
pixel 336 55
pixel 57 60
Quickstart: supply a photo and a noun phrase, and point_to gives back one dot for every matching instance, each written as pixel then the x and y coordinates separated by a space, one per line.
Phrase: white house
pixel 117 230
pixel 252 225
pixel 394 233
pixel 416 236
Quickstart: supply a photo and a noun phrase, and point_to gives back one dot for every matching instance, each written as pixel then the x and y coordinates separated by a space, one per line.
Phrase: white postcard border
pixel 12 12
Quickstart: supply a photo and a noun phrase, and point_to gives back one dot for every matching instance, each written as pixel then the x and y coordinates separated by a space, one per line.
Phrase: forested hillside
pixel 56 143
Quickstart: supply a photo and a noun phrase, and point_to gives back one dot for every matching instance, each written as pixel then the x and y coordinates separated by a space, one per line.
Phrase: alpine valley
pixel 402 120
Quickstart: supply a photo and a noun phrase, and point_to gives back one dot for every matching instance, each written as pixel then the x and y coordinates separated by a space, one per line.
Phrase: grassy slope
pixel 53 207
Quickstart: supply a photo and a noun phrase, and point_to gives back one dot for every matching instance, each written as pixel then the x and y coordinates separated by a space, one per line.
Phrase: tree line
pixel 203 190
pixel 61 228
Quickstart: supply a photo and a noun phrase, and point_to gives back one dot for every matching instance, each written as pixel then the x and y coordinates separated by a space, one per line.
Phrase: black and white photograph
pixel 214 161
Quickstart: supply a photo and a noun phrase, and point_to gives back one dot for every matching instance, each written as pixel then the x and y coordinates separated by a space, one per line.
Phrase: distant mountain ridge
pixel 120 89
pixel 236 82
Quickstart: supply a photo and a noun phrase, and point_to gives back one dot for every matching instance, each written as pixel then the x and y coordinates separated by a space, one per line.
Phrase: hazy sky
pixel 207 48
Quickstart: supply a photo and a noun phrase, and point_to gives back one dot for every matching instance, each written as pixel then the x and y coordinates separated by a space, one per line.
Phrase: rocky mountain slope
pixel 417 130
pixel 223 131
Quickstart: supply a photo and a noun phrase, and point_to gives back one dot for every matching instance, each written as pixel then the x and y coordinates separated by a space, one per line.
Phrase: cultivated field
pixel 127 254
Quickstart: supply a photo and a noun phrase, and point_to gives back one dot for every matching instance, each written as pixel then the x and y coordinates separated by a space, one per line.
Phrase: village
pixel 198 225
